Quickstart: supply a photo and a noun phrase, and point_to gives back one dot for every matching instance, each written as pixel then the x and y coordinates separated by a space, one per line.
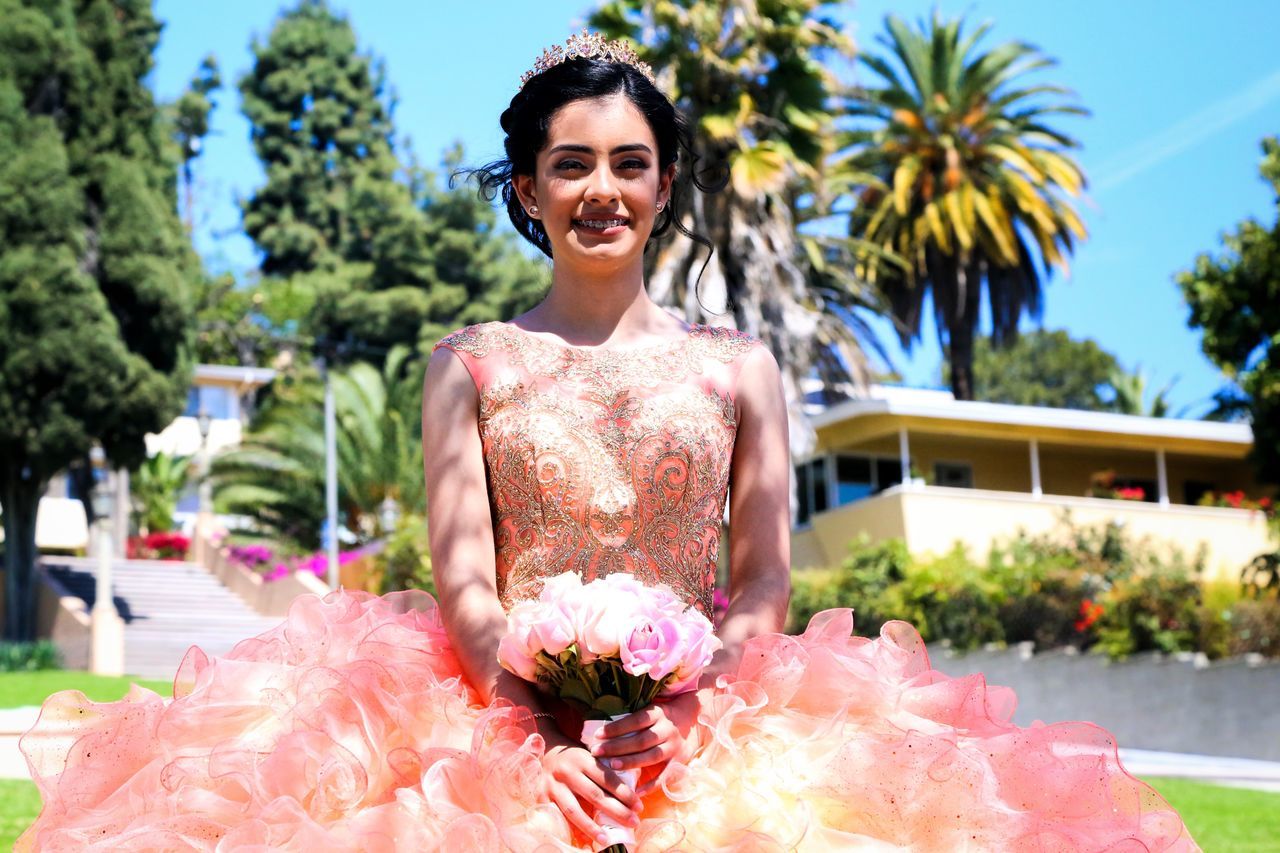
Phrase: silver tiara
pixel 588 46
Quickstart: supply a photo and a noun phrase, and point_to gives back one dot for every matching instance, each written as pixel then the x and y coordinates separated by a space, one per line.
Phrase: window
pixel 853 479
pixel 219 401
pixel 811 487
pixel 1194 490
pixel 888 472
pixel 957 475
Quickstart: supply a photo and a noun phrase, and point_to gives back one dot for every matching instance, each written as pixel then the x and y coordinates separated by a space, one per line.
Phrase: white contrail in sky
pixel 1188 132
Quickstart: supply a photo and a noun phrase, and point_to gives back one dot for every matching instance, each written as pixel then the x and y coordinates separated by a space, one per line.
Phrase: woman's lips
pixel 602 226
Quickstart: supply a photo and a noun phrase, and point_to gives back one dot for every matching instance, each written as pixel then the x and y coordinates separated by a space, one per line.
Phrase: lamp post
pixel 203 422
pixel 107 644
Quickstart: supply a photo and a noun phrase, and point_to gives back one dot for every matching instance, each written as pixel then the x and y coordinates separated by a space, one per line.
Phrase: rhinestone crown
pixel 588 46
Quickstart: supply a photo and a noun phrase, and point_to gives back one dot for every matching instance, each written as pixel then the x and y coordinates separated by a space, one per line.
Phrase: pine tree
pixel 94 265
pixel 374 253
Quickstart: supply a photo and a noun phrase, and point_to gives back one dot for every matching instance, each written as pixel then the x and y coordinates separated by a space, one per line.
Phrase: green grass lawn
pixel 30 688
pixel 1230 820
pixel 1225 819
pixel 19 805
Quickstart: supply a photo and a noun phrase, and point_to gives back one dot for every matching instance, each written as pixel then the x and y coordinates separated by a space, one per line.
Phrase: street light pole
pixel 330 478
pixel 204 490
pixel 107 637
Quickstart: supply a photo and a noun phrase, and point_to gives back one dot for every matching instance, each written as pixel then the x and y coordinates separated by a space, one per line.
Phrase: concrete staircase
pixel 167 607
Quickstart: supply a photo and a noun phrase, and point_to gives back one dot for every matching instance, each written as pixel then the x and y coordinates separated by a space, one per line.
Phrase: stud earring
pixel 533 210
pixel 661 204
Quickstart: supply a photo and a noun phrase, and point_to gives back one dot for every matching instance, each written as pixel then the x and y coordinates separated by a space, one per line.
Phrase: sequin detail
pixel 602 461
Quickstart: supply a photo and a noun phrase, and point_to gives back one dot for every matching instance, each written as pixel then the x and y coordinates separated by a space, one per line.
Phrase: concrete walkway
pixel 1240 772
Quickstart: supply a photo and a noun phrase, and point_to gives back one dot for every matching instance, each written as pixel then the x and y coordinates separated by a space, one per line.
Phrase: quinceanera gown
pixel 351 727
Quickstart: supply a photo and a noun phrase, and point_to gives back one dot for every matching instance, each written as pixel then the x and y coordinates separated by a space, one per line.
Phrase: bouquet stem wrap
pixel 618 838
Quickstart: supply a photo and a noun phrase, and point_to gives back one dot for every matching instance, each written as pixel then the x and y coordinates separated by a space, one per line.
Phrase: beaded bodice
pixel 602 461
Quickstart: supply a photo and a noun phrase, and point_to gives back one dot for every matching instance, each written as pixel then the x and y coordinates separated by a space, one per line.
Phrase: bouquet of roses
pixel 610 647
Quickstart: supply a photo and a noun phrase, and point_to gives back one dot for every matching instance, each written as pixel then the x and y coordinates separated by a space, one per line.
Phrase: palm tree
pixel 958 180
pixel 155 488
pixel 749 76
pixel 1131 394
pixel 275 477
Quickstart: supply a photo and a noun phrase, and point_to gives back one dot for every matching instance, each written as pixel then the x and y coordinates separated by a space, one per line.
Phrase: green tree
pixel 275 477
pixel 1042 368
pixel 957 176
pixel 356 236
pixel 752 80
pixel 94 265
pixel 1234 298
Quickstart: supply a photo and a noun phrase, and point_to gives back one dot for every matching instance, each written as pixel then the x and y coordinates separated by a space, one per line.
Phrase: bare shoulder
pixel 448 382
pixel 759 377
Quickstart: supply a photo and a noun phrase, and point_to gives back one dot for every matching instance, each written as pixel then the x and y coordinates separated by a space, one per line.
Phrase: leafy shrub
pixel 1073 586
pixel 1151 612
pixel 29 656
pixel 1254 626
pixel 405 562
pixel 865 575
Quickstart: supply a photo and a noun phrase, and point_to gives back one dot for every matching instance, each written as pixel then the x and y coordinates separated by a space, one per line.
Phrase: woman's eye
pixel 633 164
pixel 569 164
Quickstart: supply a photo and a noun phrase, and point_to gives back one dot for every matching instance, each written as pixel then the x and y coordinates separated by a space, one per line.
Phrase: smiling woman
pixel 595 435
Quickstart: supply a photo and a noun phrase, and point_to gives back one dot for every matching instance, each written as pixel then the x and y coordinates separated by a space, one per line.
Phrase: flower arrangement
pixel 609 647
pixel 158 546
pixel 1102 484
pixel 252 557
pixel 317 564
pixel 1237 500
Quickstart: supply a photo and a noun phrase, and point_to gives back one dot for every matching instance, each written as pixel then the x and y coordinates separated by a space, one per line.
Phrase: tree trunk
pixel 21 500
pixel 959 285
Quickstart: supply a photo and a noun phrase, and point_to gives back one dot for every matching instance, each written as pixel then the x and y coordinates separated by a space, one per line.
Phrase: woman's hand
pixel 652 736
pixel 577 779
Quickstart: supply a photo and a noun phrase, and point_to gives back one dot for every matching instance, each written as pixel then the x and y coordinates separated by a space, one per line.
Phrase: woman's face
pixel 596 183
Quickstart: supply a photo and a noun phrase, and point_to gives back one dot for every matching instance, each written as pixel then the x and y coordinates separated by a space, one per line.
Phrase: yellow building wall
pixel 933 520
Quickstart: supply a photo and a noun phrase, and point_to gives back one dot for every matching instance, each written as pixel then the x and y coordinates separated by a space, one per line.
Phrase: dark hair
pixel 527 120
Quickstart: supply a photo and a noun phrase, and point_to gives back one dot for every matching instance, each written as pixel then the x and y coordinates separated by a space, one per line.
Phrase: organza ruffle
pixel 350 727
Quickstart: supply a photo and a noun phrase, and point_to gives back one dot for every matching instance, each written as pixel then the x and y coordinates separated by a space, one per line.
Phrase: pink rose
pixel 655 647
pixel 515 651
pixel 602 618
pixel 701 643
pixel 553 628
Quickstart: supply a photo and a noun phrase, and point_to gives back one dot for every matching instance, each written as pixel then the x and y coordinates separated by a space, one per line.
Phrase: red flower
pixel 1134 493
pixel 1090 612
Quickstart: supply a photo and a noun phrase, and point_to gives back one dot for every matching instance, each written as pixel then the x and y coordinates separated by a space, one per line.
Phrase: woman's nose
pixel 602 187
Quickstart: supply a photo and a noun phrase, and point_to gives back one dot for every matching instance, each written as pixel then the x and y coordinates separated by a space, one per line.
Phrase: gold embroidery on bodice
pixel 603 461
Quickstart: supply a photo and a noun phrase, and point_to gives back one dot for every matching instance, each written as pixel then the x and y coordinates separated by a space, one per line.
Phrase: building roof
pixel 920 404
pixel 232 374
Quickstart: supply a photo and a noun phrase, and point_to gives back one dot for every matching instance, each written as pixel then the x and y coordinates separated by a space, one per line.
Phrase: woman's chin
pixel 601 249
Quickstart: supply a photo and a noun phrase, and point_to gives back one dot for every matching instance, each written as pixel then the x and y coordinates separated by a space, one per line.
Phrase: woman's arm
pixel 460 531
pixel 759 513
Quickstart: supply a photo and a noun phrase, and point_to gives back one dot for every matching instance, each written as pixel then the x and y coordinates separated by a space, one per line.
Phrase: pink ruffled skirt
pixel 350 727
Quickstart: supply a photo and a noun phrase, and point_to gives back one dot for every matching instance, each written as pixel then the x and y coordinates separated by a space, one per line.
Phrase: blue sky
pixel 1180 93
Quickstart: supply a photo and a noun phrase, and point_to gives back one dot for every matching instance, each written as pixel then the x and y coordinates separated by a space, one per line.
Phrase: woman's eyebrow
pixel 587 149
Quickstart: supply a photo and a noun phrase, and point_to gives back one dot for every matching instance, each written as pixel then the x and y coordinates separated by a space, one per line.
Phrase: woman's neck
pixel 592 309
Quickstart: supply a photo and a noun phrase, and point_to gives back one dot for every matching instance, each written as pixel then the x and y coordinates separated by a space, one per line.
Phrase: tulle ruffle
pixel 350 727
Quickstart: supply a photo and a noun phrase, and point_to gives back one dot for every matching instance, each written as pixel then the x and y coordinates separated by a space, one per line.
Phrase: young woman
pixel 596 433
